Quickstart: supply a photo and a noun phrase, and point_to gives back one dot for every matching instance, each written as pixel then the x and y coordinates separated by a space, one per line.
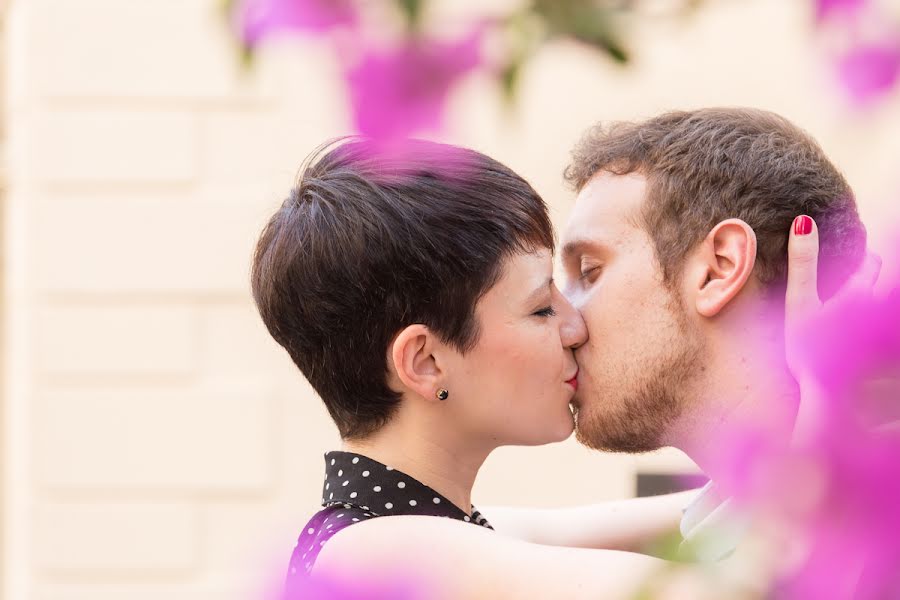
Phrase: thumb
pixel 803 261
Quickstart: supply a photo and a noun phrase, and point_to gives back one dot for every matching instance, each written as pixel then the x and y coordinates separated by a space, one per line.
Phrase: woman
pixel 414 289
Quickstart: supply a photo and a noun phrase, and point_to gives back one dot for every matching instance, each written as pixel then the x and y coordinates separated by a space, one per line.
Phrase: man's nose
pixel 573 296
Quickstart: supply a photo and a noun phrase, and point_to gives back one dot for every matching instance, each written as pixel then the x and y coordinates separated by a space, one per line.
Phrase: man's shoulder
pixel 700 508
pixel 711 526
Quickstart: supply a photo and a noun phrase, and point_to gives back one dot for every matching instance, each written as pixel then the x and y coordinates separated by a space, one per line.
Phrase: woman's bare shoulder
pixel 390 538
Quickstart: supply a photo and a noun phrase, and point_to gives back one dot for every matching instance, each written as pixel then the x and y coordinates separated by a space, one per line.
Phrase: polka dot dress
pixel 358 488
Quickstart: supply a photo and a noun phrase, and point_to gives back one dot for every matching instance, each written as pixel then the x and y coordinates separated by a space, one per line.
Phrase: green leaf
pixel 245 53
pixel 247 57
pixel 585 21
pixel 412 10
pixel 227 7
pixel 509 80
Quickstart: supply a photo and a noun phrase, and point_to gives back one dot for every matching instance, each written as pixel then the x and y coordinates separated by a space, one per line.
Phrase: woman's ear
pixel 414 362
pixel 726 260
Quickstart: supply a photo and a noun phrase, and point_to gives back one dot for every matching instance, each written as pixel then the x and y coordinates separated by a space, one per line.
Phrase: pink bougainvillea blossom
pixel 257 20
pixel 331 587
pixel 870 71
pixel 404 89
pixel 825 9
pixel 835 495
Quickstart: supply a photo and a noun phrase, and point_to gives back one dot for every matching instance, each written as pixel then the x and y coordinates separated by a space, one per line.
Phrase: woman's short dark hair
pixel 374 239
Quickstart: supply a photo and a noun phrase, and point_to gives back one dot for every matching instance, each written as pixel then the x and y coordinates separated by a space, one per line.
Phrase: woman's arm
pixel 441 558
pixel 633 525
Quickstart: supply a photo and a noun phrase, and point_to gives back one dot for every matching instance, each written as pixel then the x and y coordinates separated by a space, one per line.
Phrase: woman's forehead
pixel 525 278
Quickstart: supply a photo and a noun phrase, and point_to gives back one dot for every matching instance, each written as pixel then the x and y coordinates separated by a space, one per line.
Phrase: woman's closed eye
pixel 545 312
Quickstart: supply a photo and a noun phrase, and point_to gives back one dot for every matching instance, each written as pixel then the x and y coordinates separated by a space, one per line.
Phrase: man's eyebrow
pixel 576 247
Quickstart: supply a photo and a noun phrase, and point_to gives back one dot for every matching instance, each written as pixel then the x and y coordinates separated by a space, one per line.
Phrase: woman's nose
pixel 573 330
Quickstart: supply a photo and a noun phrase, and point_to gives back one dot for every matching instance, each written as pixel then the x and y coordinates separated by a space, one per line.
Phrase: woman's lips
pixel 574 381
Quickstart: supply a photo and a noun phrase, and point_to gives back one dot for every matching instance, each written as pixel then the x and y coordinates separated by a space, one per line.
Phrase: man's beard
pixel 637 414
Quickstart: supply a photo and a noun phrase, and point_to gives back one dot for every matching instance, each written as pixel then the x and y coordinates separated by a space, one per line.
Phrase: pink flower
pixel 256 20
pixel 838 493
pixel 402 90
pixel 372 587
pixel 826 9
pixel 869 71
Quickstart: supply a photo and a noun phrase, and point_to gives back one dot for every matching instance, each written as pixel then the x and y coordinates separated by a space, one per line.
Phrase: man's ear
pixel 414 363
pixel 724 264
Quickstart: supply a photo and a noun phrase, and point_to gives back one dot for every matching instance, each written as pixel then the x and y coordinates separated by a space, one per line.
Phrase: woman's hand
pixel 803 306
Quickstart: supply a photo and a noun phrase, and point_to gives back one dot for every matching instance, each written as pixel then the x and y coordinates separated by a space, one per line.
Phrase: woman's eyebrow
pixel 536 293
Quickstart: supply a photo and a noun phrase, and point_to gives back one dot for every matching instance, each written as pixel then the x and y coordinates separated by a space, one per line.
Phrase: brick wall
pixel 158 459
pixel 158 443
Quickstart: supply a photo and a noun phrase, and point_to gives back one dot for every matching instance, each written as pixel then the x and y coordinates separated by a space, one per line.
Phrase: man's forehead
pixel 605 209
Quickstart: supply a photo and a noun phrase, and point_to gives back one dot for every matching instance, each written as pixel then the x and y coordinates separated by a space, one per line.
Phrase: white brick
pixel 135 48
pixel 509 474
pixel 150 246
pixel 116 537
pixel 78 589
pixel 234 339
pixel 115 146
pixel 242 146
pixel 81 340
pixel 208 440
pixel 243 539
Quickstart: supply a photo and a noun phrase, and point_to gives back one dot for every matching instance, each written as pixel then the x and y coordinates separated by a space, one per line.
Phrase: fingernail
pixel 803 225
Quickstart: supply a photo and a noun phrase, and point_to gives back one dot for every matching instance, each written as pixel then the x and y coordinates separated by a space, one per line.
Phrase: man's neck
pixel 447 467
pixel 746 391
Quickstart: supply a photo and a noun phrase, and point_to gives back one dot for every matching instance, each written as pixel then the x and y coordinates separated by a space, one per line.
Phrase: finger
pixel 803 261
pixel 865 278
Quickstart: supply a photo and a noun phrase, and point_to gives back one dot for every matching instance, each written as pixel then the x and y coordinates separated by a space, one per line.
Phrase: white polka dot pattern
pixel 389 491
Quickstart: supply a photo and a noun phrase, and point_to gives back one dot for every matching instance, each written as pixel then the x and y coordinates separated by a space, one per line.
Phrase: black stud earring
pixel 442 394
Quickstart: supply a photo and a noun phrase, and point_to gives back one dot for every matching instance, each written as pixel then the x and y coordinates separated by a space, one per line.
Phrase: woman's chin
pixel 569 429
pixel 540 430
pixel 564 428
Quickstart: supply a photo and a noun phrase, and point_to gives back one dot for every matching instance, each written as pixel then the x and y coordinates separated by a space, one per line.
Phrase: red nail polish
pixel 803 225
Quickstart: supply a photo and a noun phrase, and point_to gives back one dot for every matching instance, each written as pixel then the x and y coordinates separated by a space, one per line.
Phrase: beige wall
pixel 156 442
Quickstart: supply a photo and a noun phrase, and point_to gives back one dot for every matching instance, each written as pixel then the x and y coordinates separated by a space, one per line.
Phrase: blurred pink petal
pixel 839 492
pixel 869 71
pixel 398 160
pixel 397 92
pixel 363 588
pixel 358 586
pixel 826 9
pixel 256 20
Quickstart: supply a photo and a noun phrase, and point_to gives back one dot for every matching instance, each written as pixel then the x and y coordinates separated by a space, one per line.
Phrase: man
pixel 676 256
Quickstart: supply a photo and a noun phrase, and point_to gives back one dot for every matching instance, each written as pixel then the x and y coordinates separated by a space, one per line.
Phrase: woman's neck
pixel 447 467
